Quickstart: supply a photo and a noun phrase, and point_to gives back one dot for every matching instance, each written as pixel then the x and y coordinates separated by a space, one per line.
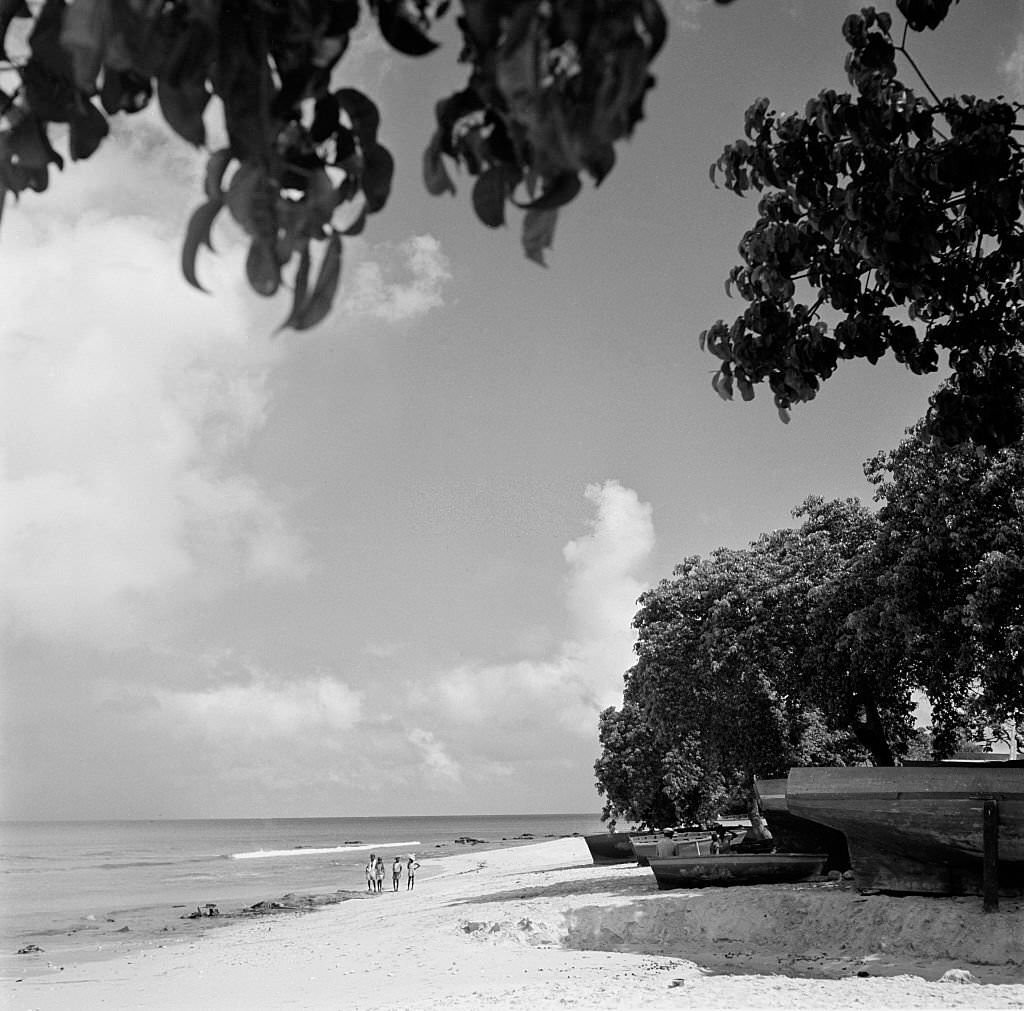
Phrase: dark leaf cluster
pixel 897 216
pixel 553 85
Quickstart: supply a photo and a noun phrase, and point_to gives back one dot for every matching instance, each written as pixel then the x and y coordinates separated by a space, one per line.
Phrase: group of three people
pixel 375 873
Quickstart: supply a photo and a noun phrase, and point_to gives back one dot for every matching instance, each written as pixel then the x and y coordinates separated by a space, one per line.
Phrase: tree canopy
pixel 951 550
pixel 808 646
pixel 716 696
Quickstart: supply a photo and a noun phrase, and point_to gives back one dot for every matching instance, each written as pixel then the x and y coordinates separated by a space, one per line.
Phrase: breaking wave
pixel 306 851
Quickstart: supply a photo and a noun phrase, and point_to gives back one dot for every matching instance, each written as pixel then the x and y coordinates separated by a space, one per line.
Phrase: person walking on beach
pixel 410 873
pixel 396 873
pixel 378 872
pixel 370 872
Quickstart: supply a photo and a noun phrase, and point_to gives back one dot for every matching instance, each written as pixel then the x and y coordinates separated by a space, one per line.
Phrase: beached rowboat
pixel 735 869
pixel 919 829
pixel 685 844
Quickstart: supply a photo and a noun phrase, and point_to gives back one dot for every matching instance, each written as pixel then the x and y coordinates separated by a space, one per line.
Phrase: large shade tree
pixel 716 696
pixel 854 665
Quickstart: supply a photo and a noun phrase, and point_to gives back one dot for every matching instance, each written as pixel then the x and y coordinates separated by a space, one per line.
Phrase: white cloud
pixel 1013 70
pixel 684 14
pixel 399 282
pixel 491 712
pixel 263 708
pixel 126 396
pixel 439 764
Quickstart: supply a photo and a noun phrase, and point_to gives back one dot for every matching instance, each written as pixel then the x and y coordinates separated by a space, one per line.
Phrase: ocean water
pixel 69 887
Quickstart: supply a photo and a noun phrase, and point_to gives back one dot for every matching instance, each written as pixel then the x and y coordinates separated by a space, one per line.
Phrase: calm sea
pixel 67 886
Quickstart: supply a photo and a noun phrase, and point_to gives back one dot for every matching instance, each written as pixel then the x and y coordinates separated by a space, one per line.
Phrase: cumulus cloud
pixel 398 282
pixel 495 713
pixel 264 709
pixel 1013 70
pixel 437 761
pixel 126 396
pixel 684 14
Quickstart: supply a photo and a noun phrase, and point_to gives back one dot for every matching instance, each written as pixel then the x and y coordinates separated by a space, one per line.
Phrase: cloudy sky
pixel 389 566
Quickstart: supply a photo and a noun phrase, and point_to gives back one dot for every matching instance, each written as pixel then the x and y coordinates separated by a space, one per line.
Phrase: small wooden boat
pixel 735 869
pixel 685 844
pixel 610 847
pixel 793 834
pixel 920 829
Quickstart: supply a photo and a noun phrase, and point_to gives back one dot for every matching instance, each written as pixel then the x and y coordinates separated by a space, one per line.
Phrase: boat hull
pixel 723 869
pixel 918 829
pixel 793 834
pixel 610 848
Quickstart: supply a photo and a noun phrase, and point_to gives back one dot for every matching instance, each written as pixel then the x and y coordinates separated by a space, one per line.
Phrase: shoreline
pixel 119 932
pixel 539 925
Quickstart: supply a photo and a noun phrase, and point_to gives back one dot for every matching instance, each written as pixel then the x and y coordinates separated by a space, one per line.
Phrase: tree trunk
pixel 871 733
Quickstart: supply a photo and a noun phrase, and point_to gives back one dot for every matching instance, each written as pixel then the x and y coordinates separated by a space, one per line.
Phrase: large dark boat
pixel 610 847
pixel 920 829
pixel 735 869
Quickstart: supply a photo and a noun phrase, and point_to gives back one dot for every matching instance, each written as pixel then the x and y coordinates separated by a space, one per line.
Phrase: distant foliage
pixel 553 84
pixel 900 213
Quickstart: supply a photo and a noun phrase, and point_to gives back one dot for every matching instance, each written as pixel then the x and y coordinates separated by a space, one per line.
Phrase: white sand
pixel 540 927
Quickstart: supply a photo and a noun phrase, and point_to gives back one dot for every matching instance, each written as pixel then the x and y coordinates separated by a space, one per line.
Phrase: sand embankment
pixel 541 927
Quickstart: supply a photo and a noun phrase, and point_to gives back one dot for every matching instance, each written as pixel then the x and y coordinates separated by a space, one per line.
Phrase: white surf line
pixel 303 851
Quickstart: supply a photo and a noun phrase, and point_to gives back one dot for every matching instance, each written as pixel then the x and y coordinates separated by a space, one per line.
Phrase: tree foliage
pixel 716 696
pixel 900 213
pixel 809 646
pixel 951 547
pixel 551 87
pixel 894 213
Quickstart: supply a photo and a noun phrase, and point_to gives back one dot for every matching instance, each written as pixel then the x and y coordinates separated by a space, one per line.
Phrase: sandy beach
pixel 539 926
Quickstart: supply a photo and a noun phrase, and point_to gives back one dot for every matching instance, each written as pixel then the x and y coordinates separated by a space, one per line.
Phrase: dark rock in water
pixel 352 842
pixel 29 949
pixel 123 930
pixel 466 840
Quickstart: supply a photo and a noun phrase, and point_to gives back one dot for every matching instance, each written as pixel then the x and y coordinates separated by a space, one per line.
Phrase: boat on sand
pixel 610 847
pixel 684 844
pixel 920 829
pixel 793 834
pixel 735 869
